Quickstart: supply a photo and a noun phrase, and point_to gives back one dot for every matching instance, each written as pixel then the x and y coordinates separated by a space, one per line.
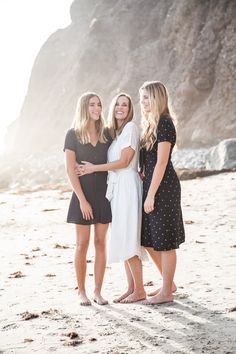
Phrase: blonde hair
pixel 158 99
pixel 112 121
pixel 81 119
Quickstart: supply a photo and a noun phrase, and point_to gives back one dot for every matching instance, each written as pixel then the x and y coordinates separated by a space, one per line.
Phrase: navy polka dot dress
pixel 163 228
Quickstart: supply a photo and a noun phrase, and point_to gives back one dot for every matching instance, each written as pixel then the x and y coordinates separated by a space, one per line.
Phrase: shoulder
pixel 166 130
pixel 71 133
pixel 166 123
pixel 71 136
pixel 130 127
pixel 71 140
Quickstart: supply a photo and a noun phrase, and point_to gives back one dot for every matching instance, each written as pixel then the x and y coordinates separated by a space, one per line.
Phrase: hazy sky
pixel 24 26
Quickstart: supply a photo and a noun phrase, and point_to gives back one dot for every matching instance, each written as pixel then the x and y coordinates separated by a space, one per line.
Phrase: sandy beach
pixel 39 309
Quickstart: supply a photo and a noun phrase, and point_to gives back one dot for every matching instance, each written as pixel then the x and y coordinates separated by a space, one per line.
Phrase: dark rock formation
pixel 116 45
pixel 44 170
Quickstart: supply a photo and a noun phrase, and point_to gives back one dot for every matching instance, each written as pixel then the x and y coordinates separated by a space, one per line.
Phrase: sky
pixel 24 27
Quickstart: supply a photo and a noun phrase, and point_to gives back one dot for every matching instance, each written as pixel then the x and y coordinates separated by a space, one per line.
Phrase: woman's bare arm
pixel 126 156
pixel 86 208
pixel 163 153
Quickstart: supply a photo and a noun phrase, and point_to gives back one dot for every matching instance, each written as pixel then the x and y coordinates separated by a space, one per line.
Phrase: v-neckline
pixel 95 144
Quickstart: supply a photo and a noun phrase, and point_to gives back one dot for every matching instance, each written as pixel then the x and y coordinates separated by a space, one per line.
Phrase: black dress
pixel 163 228
pixel 94 185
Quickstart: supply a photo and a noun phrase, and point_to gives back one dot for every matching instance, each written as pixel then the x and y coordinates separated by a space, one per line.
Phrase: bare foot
pixel 160 298
pixel 84 301
pixel 123 296
pixel 134 297
pixel 100 300
pixel 153 293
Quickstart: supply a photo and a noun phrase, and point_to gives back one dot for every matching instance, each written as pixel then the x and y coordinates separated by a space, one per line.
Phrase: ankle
pixel 129 291
pixel 139 290
pixel 82 292
pixel 97 292
pixel 165 291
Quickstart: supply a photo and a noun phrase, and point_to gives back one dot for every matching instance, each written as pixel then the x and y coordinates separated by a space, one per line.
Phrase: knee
pixel 81 248
pixel 100 244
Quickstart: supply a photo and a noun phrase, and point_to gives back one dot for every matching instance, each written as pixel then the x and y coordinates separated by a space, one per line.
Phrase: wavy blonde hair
pixel 112 121
pixel 158 99
pixel 81 119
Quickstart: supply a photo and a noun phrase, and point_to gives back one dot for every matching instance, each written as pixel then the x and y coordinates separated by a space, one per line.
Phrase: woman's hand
pixel 77 169
pixel 84 169
pixel 86 210
pixel 149 204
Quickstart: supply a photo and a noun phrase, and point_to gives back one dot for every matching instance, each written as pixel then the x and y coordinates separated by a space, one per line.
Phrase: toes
pixel 116 301
pixel 146 302
pixel 85 303
pixel 100 301
pixel 131 299
pixel 158 301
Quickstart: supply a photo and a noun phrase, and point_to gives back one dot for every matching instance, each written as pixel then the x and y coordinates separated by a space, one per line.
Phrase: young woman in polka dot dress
pixel 162 223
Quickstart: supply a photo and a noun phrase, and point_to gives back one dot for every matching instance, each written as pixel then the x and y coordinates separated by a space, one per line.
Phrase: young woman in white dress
pixel 124 191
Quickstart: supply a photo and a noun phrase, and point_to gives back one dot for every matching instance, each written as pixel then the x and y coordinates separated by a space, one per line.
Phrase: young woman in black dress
pixel 162 223
pixel 88 205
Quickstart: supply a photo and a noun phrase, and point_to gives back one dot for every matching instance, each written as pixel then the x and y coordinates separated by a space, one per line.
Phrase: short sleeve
pixel 166 131
pixel 70 141
pixel 130 136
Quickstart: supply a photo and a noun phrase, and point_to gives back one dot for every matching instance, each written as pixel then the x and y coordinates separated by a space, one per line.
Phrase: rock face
pixel 117 45
pixel 222 156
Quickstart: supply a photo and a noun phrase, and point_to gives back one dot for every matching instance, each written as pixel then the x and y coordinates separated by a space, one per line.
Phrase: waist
pixel 123 171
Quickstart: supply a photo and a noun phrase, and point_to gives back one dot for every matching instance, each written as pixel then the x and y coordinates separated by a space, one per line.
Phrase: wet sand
pixel 39 309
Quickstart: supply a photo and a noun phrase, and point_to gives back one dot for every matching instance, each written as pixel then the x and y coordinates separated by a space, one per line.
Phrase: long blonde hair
pixel 81 119
pixel 158 99
pixel 112 121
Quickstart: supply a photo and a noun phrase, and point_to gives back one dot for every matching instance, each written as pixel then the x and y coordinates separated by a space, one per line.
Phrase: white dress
pixel 124 191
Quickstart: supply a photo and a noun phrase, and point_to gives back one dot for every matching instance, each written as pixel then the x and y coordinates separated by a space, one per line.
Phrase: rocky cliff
pixel 114 45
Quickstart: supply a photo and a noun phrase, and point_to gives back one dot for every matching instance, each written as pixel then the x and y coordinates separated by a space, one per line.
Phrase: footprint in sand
pixel 25 316
pixel 73 343
pixel 36 249
pixel 17 274
pixel 181 296
pixel 60 246
pixel 9 326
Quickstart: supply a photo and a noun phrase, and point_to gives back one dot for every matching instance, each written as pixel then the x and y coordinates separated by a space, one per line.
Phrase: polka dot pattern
pixel 163 228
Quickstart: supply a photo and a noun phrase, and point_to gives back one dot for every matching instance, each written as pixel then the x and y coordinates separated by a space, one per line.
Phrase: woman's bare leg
pixel 82 243
pixel 100 238
pixel 139 293
pixel 156 257
pixel 130 282
pixel 168 262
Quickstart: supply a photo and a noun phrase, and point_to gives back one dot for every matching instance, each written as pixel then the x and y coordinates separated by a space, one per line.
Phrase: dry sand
pixel 36 241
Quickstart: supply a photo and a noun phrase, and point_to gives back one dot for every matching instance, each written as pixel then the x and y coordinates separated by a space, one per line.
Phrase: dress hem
pixel 165 249
pixel 87 223
pixel 141 256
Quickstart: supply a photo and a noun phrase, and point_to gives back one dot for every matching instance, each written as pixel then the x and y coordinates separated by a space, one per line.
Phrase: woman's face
pixel 95 108
pixel 144 101
pixel 122 108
